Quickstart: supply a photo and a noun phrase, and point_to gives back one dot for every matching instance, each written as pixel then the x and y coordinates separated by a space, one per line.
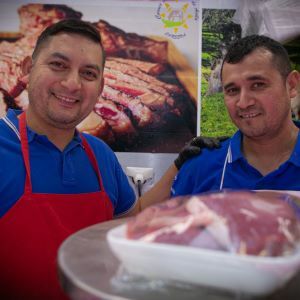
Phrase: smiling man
pixel 54 180
pixel 258 84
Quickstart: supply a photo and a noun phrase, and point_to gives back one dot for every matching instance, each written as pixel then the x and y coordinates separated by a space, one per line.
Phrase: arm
pixel 161 190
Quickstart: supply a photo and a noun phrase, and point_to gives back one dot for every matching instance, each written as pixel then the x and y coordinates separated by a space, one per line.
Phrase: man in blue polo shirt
pixel 53 180
pixel 258 85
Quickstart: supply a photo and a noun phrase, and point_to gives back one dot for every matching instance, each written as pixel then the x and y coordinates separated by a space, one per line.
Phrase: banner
pixel 150 98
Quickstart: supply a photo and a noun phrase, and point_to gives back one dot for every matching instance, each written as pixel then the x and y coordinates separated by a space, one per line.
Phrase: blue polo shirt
pixel 204 172
pixel 59 172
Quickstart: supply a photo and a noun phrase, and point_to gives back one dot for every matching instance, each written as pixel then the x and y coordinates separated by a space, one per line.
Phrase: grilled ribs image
pixel 141 92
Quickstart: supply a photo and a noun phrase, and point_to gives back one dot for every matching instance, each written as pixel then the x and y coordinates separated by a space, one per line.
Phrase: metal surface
pixel 88 270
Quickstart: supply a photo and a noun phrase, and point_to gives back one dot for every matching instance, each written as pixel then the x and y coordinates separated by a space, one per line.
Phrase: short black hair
pixel 76 26
pixel 240 48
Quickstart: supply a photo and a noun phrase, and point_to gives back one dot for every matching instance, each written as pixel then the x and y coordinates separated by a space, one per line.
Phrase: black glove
pixel 194 147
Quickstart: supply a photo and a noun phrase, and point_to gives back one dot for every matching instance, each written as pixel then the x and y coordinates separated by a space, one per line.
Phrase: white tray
pixel 241 273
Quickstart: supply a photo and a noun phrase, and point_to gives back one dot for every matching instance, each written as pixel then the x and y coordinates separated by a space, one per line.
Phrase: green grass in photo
pixel 215 120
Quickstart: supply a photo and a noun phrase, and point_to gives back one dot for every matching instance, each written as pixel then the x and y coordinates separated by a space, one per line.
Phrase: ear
pixel 293 82
pixel 26 66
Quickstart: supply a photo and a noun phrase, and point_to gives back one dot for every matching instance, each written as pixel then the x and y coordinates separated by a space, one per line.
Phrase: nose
pixel 71 81
pixel 246 99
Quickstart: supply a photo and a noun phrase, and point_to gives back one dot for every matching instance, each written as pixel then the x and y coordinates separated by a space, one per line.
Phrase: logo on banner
pixel 176 17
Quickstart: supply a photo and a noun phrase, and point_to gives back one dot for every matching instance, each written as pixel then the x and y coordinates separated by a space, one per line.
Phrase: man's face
pixel 256 95
pixel 65 81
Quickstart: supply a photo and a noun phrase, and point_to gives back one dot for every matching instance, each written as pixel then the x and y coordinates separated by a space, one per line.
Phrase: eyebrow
pixel 231 84
pixel 64 57
pixel 250 78
pixel 256 77
pixel 60 55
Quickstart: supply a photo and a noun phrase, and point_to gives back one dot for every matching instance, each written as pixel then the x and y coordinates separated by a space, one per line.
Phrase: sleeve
pixel 184 181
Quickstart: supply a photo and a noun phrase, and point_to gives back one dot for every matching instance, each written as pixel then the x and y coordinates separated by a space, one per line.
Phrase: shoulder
pixel 197 167
pixel 201 171
pixel 9 133
pixel 9 123
pixel 12 172
pixel 207 157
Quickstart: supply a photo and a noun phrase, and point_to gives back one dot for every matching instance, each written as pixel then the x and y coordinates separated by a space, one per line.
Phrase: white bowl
pixel 248 274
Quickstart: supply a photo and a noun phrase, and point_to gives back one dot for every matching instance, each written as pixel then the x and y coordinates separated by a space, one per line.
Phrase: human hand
pixel 194 147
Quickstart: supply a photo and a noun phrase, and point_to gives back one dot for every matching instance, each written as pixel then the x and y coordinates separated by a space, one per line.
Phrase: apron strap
pixel 91 155
pixel 25 152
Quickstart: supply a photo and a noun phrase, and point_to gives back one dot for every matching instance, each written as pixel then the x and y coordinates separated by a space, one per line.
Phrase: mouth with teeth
pixel 65 100
pixel 248 115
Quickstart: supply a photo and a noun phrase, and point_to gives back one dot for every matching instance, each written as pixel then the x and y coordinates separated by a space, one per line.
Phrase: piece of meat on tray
pixel 240 222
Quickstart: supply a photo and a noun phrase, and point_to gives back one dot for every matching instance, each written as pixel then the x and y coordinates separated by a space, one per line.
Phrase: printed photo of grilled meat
pixel 143 103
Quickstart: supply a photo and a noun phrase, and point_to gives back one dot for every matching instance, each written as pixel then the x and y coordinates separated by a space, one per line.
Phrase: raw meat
pixel 242 222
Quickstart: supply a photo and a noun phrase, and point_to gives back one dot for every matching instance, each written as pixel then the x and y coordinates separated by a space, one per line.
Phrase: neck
pixel 266 154
pixel 60 137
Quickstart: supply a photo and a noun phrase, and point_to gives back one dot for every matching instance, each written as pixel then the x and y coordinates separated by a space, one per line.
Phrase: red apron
pixel 32 230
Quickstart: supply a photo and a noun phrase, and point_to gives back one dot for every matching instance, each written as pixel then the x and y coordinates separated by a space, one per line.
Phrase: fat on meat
pixel 141 114
pixel 242 222
pixel 115 117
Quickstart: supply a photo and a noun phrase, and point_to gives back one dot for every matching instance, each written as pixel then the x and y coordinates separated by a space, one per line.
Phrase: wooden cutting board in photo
pixel 183 70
